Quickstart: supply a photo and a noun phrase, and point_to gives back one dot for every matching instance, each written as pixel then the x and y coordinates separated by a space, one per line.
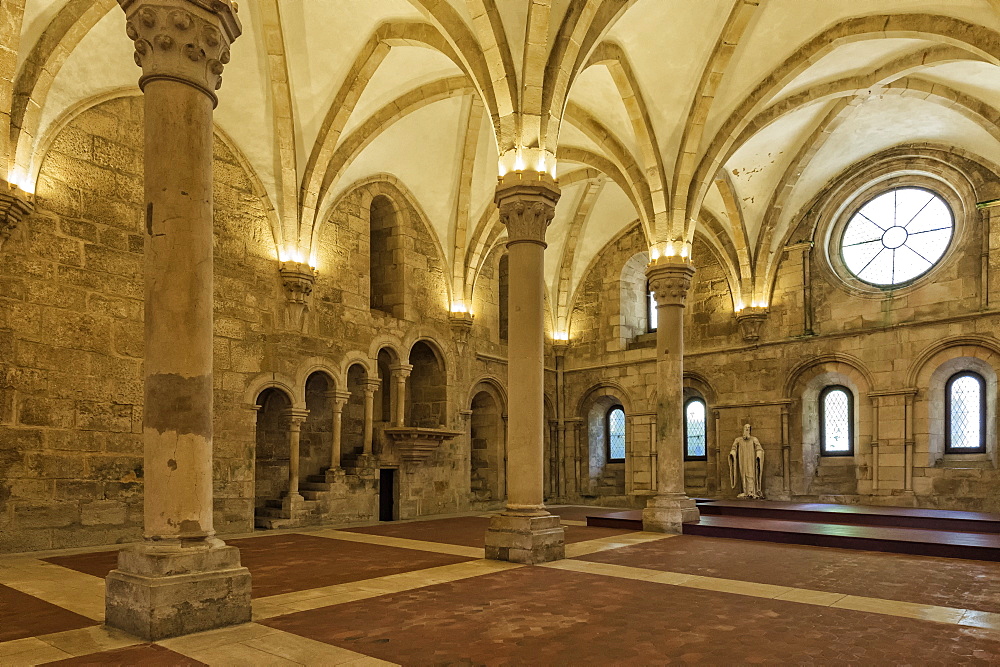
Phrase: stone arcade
pixel 331 310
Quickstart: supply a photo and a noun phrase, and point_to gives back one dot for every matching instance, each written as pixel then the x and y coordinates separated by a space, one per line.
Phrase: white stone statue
pixel 746 463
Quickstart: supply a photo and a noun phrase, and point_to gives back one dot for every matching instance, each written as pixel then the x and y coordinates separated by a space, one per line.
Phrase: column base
pixel 666 513
pixel 528 538
pixel 155 594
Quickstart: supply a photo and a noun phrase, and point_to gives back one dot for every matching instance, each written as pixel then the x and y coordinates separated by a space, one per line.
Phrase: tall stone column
pixel 340 399
pixel 525 532
pixel 370 386
pixel 399 374
pixel 181 578
pixel 670 280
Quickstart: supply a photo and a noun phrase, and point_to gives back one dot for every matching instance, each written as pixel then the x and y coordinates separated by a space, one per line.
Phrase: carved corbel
pixel 750 321
pixel 15 204
pixel 298 280
pixel 461 327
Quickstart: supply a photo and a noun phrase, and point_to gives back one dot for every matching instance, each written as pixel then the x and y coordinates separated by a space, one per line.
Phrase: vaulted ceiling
pixel 715 118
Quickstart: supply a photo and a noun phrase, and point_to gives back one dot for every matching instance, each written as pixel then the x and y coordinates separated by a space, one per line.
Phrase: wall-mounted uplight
pixel 21 181
pixel 295 255
pixel 560 335
pixel 522 159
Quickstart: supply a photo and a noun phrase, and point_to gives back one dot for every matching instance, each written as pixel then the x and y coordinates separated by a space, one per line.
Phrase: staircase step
pixel 270 512
pixel 272 524
pixel 314 486
pixel 915 541
pixel 863 515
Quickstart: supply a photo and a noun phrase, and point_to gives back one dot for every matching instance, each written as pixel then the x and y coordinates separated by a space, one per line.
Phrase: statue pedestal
pixel 665 513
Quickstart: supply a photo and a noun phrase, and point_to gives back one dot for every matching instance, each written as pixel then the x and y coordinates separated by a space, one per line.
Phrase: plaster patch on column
pixel 174 403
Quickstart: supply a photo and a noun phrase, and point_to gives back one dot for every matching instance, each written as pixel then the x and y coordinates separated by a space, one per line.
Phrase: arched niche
pixel 828 475
pixel 930 404
pixel 427 389
pixel 503 295
pixel 271 439
pixel 550 471
pixel 633 295
pixel 384 361
pixel 387 290
pixel 604 477
pixel 488 445
pixel 316 440
pixel 353 417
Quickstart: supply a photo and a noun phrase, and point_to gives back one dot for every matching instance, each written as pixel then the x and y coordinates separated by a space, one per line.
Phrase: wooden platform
pixel 926 532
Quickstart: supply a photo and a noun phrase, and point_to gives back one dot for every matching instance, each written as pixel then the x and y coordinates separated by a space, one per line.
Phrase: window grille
pixel 616 433
pixel 836 421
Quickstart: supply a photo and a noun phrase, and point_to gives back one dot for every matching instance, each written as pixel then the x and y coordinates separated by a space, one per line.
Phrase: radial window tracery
pixel 897 236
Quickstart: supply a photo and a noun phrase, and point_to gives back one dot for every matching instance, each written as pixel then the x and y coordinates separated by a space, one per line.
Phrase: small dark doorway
pixel 386 494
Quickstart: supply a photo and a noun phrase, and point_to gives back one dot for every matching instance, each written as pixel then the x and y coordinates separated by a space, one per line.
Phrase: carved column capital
pixel 670 280
pixel 527 203
pixel 15 203
pixel 182 40
pixel 295 417
pixel 339 398
pixel 370 386
pixel 401 370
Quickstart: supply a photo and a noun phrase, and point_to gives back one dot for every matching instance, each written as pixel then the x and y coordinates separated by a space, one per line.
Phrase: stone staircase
pixel 323 498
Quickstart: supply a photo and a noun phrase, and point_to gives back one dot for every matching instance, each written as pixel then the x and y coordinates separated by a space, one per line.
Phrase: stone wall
pixel 893 349
pixel 71 345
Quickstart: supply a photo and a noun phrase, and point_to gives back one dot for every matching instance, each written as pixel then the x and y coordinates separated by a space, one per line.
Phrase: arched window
pixel 385 269
pixel 650 310
pixel 503 290
pixel 836 421
pixel 615 424
pixel 965 413
pixel 694 430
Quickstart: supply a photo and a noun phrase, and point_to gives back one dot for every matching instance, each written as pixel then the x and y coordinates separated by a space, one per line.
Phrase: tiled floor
pixel 421 593
pixel 939 581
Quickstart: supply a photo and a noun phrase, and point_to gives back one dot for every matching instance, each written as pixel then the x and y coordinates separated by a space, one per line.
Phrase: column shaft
pixel 670 397
pixel 340 399
pixel 525 359
pixel 181 579
pixel 670 280
pixel 525 531
pixel 399 418
pixel 294 439
pixel 370 388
